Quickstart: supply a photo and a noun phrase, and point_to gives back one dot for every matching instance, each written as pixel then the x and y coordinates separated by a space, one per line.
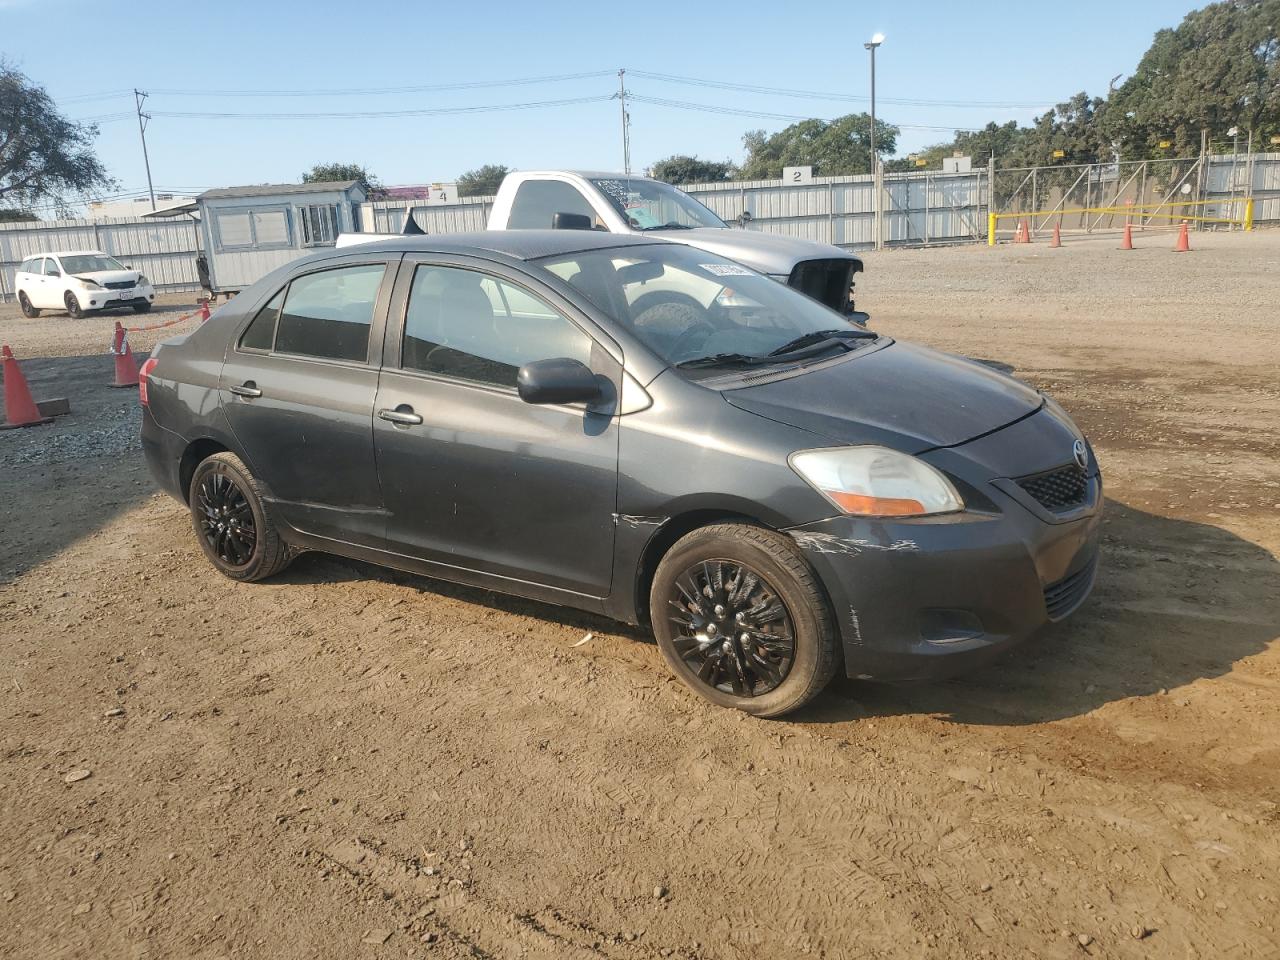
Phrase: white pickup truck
pixel 624 203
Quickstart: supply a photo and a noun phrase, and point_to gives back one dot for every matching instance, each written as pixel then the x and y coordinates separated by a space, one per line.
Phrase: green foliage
pixel 335 172
pixel 482 182
pixel 834 148
pixel 680 169
pixel 43 155
pixel 16 215
pixel 1217 69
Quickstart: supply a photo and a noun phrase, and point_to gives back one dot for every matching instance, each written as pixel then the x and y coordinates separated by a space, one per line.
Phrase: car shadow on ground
pixel 63 481
pixel 1176 601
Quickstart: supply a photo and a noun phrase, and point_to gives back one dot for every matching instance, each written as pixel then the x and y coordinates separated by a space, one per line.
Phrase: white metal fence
pixel 164 250
pixel 916 208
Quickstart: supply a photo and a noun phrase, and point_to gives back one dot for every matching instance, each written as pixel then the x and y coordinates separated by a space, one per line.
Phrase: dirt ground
pixel 351 762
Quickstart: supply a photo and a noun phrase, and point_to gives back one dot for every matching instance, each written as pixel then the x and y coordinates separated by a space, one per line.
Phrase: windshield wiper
pixel 669 225
pixel 822 337
pixel 722 360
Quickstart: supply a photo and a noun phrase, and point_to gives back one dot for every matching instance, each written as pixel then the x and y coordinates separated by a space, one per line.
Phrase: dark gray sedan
pixel 636 428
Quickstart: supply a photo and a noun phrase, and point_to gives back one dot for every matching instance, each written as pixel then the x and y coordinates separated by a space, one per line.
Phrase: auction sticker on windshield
pixel 726 270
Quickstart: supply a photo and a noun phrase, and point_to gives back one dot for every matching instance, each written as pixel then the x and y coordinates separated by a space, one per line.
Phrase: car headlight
pixel 89 284
pixel 142 278
pixel 877 482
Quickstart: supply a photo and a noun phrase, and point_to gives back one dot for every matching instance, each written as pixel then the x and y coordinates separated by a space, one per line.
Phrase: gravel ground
pixel 351 762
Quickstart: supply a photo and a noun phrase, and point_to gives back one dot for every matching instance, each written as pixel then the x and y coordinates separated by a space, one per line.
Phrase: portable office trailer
pixel 246 232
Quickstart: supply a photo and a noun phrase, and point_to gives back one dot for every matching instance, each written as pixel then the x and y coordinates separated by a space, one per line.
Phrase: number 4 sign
pixel 442 193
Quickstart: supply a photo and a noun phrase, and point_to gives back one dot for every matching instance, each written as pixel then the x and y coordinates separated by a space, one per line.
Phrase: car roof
pixel 587 174
pixel 67 253
pixel 518 244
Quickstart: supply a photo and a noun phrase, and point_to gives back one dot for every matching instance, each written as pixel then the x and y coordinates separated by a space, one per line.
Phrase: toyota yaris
pixel 779 493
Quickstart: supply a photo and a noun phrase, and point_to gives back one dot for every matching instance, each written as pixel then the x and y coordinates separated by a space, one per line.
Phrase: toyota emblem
pixel 1081 454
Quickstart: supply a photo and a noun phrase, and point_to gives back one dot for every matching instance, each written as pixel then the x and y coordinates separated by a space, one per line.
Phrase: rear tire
pixel 742 619
pixel 142 308
pixel 27 309
pixel 231 520
pixel 73 306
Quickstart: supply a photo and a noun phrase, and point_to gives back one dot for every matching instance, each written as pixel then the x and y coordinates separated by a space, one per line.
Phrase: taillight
pixel 148 365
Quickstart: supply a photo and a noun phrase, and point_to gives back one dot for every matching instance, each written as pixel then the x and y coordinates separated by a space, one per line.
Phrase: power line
pixel 379 91
pixel 741 112
pixel 379 114
pixel 819 95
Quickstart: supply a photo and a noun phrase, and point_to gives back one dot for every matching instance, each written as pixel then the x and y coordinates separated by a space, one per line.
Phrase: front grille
pixel 1068 593
pixel 827 281
pixel 119 285
pixel 1063 488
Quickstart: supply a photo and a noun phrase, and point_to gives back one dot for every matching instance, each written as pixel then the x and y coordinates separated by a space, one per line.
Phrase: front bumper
pixel 105 299
pixel 932 597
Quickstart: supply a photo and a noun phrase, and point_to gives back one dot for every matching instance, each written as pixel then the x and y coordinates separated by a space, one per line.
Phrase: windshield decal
pixel 726 270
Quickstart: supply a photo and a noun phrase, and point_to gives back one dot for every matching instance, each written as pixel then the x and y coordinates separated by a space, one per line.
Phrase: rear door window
pixel 261 334
pixel 328 314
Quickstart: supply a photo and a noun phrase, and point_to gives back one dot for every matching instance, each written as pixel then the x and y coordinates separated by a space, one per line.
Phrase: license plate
pixel 124 295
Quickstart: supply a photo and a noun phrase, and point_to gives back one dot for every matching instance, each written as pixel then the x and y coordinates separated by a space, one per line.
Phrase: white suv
pixel 80 281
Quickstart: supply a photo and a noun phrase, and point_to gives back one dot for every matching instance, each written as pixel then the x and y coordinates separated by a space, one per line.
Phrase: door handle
pixel 402 415
pixel 247 389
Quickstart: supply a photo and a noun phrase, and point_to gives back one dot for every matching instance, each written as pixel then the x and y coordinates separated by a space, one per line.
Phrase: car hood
pixel 766 252
pixel 109 276
pixel 898 394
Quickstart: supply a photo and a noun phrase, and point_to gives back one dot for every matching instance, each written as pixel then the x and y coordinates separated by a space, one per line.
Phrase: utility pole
pixel 875 162
pixel 626 122
pixel 138 97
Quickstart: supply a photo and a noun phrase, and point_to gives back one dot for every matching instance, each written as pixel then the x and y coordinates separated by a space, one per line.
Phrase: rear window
pixel 328 314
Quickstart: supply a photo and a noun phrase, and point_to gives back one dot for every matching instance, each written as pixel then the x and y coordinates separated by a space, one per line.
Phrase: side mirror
pixel 744 218
pixel 571 221
pixel 557 381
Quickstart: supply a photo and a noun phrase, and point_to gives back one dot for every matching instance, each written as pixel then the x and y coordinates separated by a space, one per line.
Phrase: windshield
pixel 90 263
pixel 702 311
pixel 650 205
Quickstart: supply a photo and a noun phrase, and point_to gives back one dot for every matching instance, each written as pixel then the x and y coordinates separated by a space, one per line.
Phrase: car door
pixel 298 387
pixel 49 286
pixel 473 477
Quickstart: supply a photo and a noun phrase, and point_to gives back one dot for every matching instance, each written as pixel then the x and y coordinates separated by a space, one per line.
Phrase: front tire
pixel 742 619
pixel 73 306
pixel 27 309
pixel 231 522
pixel 142 308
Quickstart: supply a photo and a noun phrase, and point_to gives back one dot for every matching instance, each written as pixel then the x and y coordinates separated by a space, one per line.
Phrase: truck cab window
pixel 538 201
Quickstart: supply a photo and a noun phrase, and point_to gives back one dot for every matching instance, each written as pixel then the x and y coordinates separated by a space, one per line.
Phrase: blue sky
pixel 1013 58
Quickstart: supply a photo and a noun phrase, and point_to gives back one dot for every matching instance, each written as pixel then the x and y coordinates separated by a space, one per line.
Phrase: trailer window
pixel 319 224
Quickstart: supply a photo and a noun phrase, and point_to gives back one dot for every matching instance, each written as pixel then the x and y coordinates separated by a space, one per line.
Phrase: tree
pixel 43 155
pixel 685 169
pixel 482 182
pixel 840 146
pixel 16 215
pixel 1219 68
pixel 333 172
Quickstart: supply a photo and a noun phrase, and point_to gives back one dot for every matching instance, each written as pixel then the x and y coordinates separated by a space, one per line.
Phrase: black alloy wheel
pixel 27 309
pixel 226 520
pixel 73 305
pixel 731 628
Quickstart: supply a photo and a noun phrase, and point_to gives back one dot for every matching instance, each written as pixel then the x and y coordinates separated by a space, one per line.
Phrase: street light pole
pixel 875 164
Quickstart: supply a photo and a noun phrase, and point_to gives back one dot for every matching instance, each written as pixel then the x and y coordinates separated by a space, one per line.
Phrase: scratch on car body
pixel 635 522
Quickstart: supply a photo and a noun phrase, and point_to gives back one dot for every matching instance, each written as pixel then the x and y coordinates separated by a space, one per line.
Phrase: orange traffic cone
pixel 20 409
pixel 204 310
pixel 1184 242
pixel 126 366
pixel 1127 243
pixel 1024 234
pixel 1057 237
